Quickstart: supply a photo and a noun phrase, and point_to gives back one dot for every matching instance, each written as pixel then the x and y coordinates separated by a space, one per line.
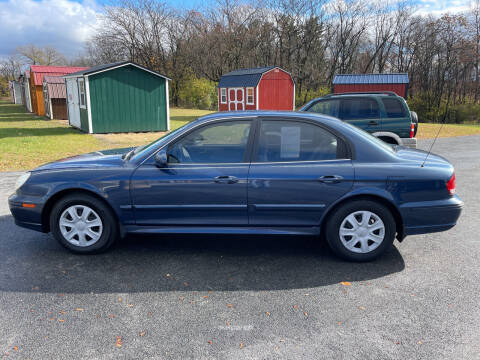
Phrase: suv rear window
pixel 394 108
pixel 359 108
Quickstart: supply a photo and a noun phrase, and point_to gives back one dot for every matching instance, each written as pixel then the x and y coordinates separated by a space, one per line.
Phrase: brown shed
pixel 54 97
pixel 37 72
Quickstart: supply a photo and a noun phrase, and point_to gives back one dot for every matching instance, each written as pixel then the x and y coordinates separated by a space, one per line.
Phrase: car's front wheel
pixel 360 230
pixel 83 224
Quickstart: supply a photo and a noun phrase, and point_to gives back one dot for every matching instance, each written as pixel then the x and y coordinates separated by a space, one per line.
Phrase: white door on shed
pixel 236 99
pixel 73 103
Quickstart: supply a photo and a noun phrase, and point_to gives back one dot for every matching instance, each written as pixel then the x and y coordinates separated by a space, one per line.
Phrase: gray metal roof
pixel 259 70
pixel 244 77
pixel 394 78
pixel 104 67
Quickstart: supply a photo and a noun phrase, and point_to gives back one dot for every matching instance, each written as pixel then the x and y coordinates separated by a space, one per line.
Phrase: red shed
pixel 265 88
pixel 347 83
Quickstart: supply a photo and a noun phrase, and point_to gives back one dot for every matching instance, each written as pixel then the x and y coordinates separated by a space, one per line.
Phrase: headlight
pixel 22 179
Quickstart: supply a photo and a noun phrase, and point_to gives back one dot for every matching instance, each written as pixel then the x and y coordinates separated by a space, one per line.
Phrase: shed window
pixel 223 95
pixel 81 93
pixel 249 96
pixel 45 92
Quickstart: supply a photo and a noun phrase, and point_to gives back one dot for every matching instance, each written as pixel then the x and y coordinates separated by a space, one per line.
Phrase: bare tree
pixel 313 39
pixel 35 55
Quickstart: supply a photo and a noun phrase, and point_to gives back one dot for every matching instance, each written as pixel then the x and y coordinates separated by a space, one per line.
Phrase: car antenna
pixel 433 143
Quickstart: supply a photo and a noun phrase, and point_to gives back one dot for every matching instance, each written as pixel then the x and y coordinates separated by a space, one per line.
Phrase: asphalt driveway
pixel 213 297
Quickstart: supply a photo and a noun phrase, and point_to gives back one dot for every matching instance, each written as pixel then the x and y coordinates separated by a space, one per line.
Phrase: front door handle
pixel 330 179
pixel 225 179
pixel 372 123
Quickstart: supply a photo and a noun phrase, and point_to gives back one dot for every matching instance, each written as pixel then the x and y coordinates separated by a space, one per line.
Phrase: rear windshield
pixel 369 137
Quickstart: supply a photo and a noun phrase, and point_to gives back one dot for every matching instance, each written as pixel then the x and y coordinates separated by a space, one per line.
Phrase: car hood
pixel 104 158
pixel 419 156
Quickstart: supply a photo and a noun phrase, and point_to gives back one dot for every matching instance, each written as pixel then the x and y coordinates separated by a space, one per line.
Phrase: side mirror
pixel 161 158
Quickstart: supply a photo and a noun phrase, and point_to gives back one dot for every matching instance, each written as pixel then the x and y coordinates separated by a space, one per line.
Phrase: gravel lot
pixel 246 298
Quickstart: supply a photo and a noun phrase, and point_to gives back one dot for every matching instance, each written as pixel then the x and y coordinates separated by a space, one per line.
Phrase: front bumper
pixel 431 216
pixel 409 142
pixel 30 218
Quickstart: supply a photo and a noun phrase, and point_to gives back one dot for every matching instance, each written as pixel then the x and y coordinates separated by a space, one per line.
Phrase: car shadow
pixel 34 262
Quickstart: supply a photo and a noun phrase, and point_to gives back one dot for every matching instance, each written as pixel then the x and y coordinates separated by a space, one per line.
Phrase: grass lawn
pixel 27 141
pixel 427 131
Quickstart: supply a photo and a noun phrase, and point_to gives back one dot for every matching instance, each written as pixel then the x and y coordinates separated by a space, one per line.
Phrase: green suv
pixel 383 114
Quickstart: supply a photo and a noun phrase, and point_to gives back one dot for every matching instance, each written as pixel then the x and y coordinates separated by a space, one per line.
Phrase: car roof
pixel 282 115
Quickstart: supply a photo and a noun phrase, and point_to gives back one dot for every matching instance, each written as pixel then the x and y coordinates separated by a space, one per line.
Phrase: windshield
pixel 139 151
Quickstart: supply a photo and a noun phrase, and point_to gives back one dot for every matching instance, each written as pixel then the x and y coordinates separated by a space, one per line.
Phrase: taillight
pixel 451 185
pixel 412 130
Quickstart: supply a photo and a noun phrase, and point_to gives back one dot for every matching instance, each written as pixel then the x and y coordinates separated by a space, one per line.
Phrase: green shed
pixel 118 97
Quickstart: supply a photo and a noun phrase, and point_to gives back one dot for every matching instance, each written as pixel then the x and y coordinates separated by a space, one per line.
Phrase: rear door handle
pixel 225 179
pixel 330 179
pixel 372 122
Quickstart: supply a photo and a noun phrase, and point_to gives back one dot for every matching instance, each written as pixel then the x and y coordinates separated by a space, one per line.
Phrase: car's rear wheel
pixel 360 230
pixel 83 224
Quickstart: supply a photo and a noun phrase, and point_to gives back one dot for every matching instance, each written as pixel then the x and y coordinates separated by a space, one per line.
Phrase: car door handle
pixel 330 179
pixel 224 179
pixel 372 122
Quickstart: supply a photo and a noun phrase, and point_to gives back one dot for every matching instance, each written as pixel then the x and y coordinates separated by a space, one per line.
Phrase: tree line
pixel 312 39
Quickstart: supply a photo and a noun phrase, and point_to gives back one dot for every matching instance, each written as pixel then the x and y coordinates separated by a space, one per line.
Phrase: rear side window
pixel 359 108
pixel 327 107
pixel 282 141
pixel 394 108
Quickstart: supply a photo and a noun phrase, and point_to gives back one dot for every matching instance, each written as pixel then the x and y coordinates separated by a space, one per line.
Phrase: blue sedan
pixel 245 173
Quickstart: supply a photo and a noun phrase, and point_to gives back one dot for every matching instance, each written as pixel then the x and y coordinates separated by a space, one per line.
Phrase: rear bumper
pixel 431 216
pixel 409 142
pixel 30 218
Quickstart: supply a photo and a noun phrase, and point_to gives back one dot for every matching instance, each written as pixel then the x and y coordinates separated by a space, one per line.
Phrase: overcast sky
pixel 66 24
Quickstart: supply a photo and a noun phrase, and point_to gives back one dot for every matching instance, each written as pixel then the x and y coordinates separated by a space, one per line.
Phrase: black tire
pixel 337 217
pixel 415 121
pixel 110 228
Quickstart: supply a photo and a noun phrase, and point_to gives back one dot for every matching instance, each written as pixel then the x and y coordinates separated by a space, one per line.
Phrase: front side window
pixel 394 108
pixel 212 144
pixel 81 93
pixel 358 109
pixel 327 107
pixel 281 141
pixel 223 95
pixel 249 96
